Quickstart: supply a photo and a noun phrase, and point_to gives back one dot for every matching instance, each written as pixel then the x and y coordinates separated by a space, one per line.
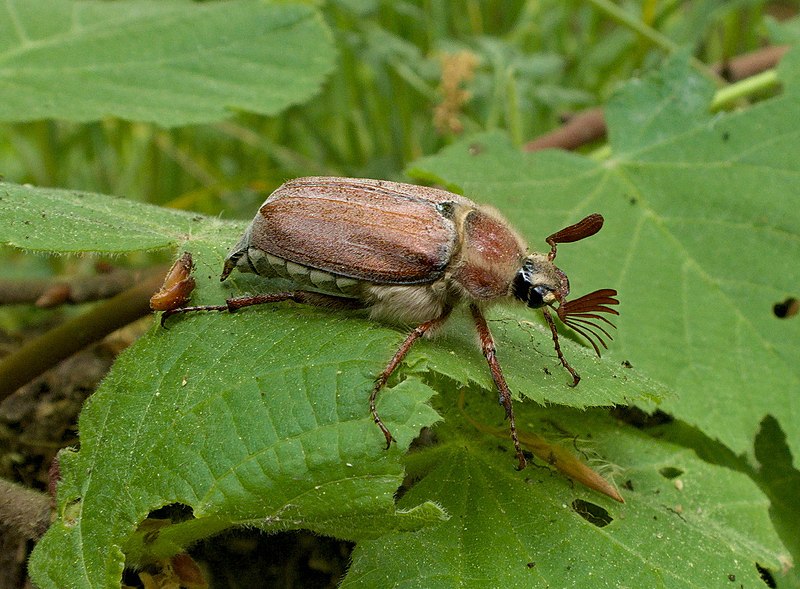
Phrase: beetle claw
pixel 386 433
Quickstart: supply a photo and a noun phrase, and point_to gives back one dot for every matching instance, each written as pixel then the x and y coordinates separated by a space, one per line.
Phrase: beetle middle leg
pixel 331 302
pixel 398 357
pixel 488 349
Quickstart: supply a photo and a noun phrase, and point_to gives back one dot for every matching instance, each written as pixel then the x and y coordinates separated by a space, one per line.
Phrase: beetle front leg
pixel 304 297
pixel 576 378
pixel 398 357
pixel 488 349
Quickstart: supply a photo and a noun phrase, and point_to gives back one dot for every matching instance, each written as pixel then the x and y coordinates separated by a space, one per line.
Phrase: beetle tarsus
pixel 180 310
pixel 386 433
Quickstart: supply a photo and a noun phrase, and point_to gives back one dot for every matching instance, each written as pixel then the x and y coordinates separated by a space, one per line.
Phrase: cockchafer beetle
pixel 409 254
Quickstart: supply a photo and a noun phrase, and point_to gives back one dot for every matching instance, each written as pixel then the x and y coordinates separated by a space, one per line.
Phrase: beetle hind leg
pixel 304 297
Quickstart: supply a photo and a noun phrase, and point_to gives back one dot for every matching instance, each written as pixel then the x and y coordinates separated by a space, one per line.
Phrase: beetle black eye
pixel 536 296
pixel 531 294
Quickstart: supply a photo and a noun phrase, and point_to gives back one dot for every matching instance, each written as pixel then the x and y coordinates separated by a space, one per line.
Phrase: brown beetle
pixel 409 254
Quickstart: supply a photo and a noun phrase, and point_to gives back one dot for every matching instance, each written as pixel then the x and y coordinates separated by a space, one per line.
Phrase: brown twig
pixel 44 352
pixel 749 64
pixel 589 125
pixel 24 517
pixel 50 292
pixel 23 511
pixel 580 129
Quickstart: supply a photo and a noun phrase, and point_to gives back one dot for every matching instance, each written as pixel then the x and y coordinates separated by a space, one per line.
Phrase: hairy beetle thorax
pixel 491 254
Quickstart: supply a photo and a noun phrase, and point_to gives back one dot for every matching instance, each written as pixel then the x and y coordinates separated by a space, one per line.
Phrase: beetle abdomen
pixel 269 266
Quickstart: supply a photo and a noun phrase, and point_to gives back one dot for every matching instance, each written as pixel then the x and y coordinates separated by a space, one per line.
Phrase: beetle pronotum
pixel 410 254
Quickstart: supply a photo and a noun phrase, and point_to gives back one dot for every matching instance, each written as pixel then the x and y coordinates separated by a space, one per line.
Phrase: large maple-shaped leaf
pixel 702 238
pixel 681 525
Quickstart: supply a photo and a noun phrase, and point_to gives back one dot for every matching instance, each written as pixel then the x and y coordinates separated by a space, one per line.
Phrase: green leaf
pixel 701 240
pixel 170 62
pixel 646 112
pixel 685 523
pixel 258 418
pixel 69 221
pixel 240 428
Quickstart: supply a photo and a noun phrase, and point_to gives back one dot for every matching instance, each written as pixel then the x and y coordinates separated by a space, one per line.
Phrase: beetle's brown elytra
pixel 410 254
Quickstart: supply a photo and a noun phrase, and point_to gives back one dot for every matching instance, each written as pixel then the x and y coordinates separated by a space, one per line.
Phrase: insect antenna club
pixel 410 255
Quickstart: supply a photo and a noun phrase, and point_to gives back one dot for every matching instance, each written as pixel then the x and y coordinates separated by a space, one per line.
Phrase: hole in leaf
pixel 256 559
pixel 161 518
pixel 592 513
pixel 176 512
pixel 788 308
pixel 766 576
pixel 72 512
pixel 670 472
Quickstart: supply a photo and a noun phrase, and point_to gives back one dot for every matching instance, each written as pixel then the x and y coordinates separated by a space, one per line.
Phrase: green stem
pixel 729 95
pixel 662 41
pixel 512 108
pixel 628 20
pixel 44 352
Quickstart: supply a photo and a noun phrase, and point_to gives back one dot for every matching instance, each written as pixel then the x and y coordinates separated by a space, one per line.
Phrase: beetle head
pixel 540 284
